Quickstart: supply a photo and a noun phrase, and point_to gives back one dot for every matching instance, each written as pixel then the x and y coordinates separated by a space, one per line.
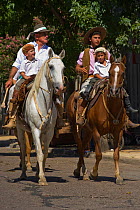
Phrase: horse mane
pixel 38 77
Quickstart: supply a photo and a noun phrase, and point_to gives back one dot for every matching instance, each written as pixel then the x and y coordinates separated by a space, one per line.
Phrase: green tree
pixel 68 21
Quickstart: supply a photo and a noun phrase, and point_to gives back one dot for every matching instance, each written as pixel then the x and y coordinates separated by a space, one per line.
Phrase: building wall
pixel 133 83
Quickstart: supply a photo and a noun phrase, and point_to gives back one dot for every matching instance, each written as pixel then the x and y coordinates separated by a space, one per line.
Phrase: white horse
pixel 40 112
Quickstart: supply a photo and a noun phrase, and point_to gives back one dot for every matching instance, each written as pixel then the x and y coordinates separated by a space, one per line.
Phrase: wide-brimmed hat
pixel 37 29
pixel 27 47
pixel 95 30
pixel 102 49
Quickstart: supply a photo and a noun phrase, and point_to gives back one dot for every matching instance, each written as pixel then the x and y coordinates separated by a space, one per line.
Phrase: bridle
pixel 119 86
pixel 118 94
pixel 49 78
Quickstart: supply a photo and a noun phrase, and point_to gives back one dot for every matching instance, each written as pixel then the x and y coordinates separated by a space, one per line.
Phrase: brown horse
pixel 106 116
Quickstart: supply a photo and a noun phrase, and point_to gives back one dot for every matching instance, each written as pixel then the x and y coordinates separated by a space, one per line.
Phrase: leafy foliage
pixel 69 20
pixel 8 51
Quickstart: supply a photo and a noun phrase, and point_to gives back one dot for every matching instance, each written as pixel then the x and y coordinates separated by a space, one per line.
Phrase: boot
pixel 130 124
pixel 81 105
pixel 85 94
pixel 12 116
pixel 128 105
pixel 15 97
pixel 59 122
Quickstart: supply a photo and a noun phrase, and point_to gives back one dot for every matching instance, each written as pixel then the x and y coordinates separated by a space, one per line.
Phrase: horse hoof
pixel 42 183
pixel 93 176
pixel 76 173
pixel 29 170
pixel 86 177
pixel 119 181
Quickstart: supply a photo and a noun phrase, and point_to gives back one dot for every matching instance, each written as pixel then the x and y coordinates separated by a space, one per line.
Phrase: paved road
pixel 63 190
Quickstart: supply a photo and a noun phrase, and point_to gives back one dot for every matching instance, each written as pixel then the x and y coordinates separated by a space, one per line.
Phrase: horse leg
pixel 48 136
pixel 98 155
pixel 86 137
pixel 117 139
pixel 28 138
pixel 40 156
pixel 81 156
pixel 21 139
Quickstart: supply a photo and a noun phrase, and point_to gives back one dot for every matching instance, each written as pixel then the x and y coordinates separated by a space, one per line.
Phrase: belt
pixel 90 75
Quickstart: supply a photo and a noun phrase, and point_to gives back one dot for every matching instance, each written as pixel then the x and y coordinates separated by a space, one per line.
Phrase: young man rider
pixel 85 66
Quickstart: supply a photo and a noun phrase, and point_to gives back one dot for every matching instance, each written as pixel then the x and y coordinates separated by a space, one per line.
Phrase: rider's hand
pixel 26 77
pixel 82 70
pixel 9 83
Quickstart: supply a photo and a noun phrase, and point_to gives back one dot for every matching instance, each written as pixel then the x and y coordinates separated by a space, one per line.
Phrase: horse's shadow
pixel 105 179
pixel 10 154
pixel 35 180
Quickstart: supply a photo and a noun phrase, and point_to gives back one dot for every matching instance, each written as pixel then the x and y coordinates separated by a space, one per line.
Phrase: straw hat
pixel 27 47
pixel 101 49
pixel 37 29
pixel 95 30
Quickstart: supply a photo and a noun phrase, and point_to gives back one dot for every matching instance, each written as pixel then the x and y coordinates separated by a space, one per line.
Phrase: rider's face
pixel 95 40
pixel 30 54
pixel 42 37
pixel 100 57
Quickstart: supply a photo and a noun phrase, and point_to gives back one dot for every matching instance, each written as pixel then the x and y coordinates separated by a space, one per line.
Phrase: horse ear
pixel 124 59
pixel 111 59
pixel 62 54
pixel 50 53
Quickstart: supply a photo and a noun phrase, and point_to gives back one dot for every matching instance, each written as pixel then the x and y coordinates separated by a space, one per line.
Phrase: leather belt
pixel 90 75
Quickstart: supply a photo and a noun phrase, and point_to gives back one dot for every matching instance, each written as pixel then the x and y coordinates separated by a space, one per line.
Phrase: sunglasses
pixel 43 33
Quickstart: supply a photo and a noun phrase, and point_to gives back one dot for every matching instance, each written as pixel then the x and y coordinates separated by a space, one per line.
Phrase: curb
pixel 7 142
pixel 128 155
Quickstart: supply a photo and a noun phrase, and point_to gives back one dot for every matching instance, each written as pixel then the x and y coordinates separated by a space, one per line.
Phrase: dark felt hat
pixel 37 29
pixel 95 30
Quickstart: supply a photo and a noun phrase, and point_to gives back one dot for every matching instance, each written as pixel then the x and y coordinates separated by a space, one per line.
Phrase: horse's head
pixel 56 67
pixel 116 77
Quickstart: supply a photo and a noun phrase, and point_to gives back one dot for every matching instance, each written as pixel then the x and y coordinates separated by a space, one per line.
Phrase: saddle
pixel 96 92
pixel 22 96
pixel 24 88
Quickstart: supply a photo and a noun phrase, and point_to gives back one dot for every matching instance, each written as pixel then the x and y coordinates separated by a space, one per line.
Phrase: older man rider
pixel 40 35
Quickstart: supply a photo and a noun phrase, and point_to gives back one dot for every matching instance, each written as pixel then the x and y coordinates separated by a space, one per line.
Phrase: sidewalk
pixel 128 153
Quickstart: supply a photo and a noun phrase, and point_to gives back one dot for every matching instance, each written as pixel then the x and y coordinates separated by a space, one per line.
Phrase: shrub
pixel 9 47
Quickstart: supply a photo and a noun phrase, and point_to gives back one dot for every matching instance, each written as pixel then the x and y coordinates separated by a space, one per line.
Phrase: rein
pixel 44 118
pixel 40 113
pixel 115 120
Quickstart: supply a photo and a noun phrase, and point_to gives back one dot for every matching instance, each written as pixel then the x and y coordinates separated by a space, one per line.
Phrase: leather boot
pixel 59 122
pixel 128 105
pixel 15 97
pixel 12 116
pixel 81 105
pixel 130 124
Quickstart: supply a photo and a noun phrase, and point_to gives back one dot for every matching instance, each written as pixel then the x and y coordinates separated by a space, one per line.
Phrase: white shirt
pixel 101 69
pixel 17 75
pixel 42 55
pixel 92 60
pixel 30 67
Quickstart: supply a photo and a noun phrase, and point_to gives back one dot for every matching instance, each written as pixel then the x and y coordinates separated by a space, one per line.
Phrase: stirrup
pixel 10 124
pixel 131 110
pixel 80 120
